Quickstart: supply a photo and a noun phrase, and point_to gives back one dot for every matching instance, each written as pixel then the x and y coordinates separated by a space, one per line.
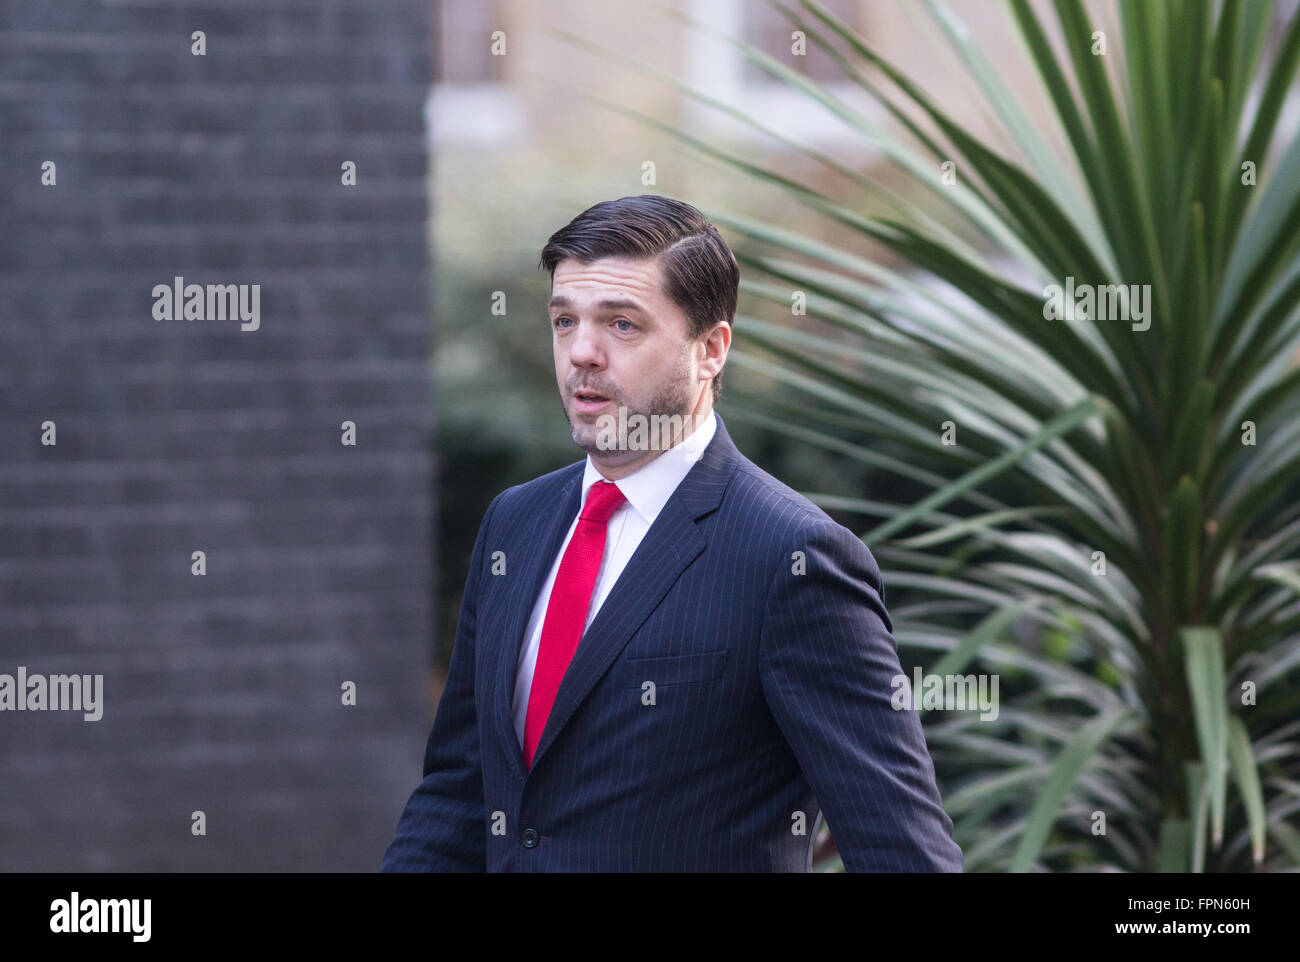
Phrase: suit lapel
pixel 672 542
pixel 547 531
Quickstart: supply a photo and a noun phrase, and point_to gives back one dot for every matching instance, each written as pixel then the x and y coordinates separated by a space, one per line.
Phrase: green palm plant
pixel 1111 532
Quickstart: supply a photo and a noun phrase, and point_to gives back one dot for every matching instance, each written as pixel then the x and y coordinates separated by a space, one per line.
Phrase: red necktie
pixel 566 612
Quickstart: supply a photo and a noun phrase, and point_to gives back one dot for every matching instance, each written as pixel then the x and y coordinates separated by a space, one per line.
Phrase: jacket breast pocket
pixel 672 669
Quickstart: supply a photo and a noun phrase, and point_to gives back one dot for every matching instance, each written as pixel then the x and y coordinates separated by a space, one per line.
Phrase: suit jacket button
pixel 530 838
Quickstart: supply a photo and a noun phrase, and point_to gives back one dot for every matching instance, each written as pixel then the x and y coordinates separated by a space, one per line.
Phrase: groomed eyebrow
pixel 612 304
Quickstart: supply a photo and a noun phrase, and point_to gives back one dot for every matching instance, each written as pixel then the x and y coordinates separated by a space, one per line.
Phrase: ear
pixel 716 344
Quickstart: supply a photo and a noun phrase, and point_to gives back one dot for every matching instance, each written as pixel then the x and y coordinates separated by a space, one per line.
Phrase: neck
pixel 699 413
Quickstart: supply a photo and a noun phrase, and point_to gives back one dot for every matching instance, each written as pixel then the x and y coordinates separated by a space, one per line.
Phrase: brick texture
pixel 222 693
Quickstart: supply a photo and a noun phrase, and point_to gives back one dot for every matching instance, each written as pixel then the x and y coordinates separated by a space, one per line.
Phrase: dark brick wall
pixel 222 693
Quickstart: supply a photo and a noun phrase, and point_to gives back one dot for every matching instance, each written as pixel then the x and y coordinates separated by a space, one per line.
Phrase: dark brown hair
pixel 699 271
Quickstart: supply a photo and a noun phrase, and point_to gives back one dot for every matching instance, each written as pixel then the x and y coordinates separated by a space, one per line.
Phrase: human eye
pixel 559 321
pixel 630 326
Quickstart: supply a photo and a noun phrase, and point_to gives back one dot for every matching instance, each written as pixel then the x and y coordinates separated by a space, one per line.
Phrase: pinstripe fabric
pixel 771 698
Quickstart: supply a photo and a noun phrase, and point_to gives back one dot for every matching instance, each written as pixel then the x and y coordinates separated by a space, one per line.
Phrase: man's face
pixel 619 338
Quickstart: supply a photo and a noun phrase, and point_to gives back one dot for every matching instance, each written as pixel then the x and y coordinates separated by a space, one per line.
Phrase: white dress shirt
pixel 647 490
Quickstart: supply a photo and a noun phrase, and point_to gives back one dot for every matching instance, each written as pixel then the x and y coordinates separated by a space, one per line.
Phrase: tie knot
pixel 602 501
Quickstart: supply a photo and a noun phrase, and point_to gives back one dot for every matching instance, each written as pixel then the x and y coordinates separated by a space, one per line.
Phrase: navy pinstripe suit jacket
pixel 771 699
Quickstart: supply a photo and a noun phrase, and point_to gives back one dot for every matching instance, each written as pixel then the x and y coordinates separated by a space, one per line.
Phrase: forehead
pixel 635 279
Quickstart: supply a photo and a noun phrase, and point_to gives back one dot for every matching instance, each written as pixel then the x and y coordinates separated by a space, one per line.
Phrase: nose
pixel 584 346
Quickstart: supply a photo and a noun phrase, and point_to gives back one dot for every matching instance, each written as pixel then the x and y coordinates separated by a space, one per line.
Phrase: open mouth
pixel 589 397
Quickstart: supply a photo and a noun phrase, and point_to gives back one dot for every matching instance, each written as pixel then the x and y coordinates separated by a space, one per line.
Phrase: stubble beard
pixel 673 399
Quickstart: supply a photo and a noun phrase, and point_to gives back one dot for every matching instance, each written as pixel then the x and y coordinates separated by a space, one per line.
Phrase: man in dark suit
pixel 666 659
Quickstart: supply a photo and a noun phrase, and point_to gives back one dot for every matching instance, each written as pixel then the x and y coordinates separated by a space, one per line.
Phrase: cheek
pixel 638 370
pixel 649 365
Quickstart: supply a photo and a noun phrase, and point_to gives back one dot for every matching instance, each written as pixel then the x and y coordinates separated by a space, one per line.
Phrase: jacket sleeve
pixel 827 661
pixel 442 828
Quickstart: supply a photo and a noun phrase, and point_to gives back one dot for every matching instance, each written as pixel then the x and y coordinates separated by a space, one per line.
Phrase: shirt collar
pixel 649 487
